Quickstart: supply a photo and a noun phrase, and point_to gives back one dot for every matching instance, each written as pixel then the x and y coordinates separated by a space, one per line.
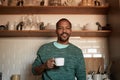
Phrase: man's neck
pixel 61 42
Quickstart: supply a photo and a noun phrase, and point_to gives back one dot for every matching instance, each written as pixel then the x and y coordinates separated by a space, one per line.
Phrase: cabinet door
pixel 114 40
pixel 92 64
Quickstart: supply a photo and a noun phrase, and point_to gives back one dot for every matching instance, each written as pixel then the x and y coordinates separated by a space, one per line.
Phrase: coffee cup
pixel 97 77
pixel 59 61
pixel 89 77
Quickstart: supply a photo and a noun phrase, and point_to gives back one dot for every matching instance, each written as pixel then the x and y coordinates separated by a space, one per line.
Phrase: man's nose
pixel 64 30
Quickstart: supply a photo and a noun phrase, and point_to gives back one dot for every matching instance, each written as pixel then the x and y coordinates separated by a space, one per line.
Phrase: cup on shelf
pixel 89 77
pixel 91 26
pixel 77 27
pixel 54 2
pixel 97 77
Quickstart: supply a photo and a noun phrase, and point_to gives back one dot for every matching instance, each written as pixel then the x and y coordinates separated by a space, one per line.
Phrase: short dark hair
pixel 63 19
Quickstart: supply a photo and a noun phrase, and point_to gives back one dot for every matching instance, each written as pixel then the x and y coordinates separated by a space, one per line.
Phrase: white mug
pixel 59 61
pixel 97 77
pixel 105 76
pixel 89 77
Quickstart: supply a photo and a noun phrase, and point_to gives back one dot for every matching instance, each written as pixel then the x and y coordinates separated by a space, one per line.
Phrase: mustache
pixel 64 33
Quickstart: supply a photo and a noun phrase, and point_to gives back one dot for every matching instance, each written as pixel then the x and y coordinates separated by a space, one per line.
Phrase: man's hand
pixel 50 63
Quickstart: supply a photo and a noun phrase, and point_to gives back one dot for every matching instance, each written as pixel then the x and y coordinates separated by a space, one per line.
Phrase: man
pixel 74 65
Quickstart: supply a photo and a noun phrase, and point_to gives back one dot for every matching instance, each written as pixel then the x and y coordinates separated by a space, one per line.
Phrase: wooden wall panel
pixel 92 64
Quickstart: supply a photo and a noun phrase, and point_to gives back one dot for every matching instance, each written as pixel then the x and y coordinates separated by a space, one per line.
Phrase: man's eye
pixel 68 28
pixel 64 28
pixel 59 28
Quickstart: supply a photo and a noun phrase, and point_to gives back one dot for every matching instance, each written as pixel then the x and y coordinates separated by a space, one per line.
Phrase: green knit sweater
pixel 74 62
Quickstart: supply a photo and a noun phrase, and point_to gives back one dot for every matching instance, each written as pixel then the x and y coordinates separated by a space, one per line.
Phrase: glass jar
pixel 54 2
pixel 90 2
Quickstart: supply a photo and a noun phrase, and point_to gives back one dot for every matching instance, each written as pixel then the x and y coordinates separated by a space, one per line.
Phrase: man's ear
pixel 56 31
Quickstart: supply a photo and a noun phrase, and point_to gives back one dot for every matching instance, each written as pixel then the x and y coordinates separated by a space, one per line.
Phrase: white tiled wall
pixel 17 54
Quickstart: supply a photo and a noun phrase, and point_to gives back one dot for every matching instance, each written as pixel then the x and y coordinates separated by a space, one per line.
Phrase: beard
pixel 64 37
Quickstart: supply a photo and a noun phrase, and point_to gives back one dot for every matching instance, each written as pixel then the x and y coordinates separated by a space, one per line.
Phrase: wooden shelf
pixel 51 33
pixel 53 10
pixel 11 10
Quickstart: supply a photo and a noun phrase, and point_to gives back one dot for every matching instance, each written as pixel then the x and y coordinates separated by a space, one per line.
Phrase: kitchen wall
pixel 18 53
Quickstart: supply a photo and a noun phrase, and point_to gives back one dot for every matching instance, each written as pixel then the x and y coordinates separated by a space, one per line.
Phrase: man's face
pixel 63 31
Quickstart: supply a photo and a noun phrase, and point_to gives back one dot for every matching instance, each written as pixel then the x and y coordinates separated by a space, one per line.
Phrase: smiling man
pixel 63 31
pixel 74 65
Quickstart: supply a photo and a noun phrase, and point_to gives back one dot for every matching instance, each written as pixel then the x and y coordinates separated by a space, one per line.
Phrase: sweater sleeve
pixel 37 61
pixel 80 68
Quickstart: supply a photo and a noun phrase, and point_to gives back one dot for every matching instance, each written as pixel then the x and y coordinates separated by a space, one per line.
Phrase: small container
pixel 90 3
pixel 15 77
pixel 104 76
pixel 89 77
pixel 11 27
pixel 91 26
pixel 97 77
pixel 54 2
pixel 97 3
pixel 20 3
pixel 84 2
pixel 87 3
